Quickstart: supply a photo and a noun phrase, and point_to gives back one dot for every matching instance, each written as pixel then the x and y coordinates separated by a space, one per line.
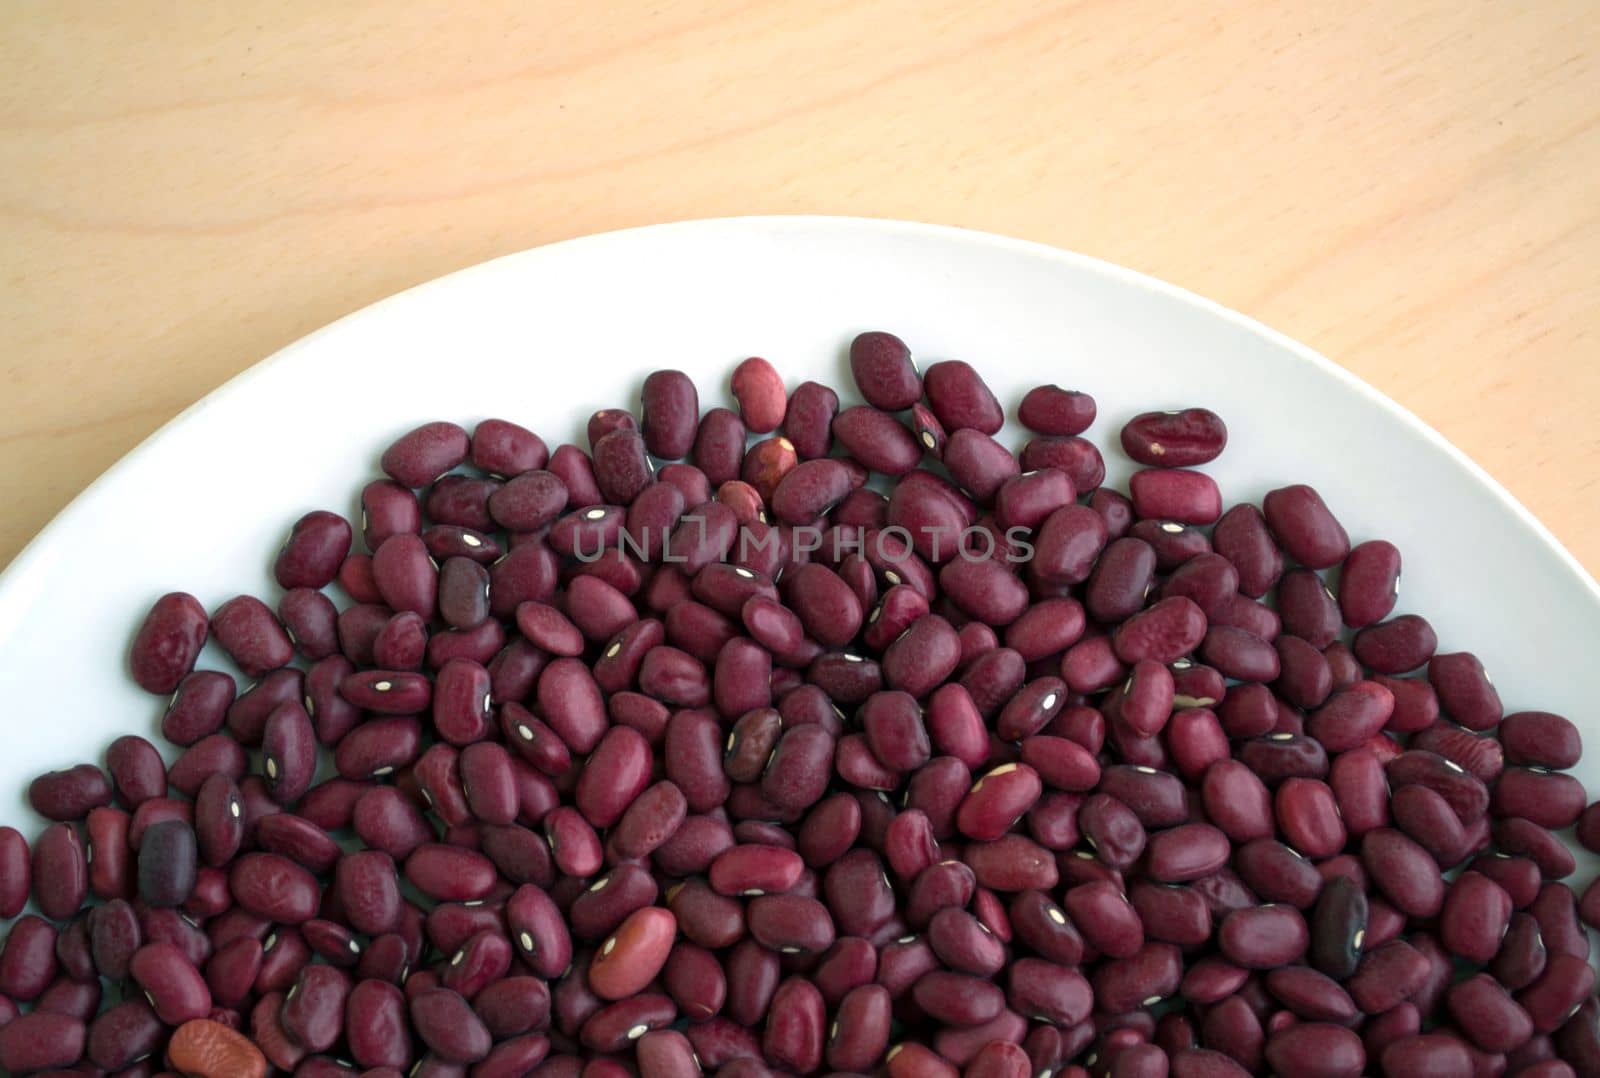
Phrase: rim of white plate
pixel 12 577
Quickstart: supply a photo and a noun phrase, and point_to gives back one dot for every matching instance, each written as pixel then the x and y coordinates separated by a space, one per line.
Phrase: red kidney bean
pixel 1548 798
pixel 1121 579
pixel 313 1010
pixel 997 800
pixel 1540 739
pixel 40 1041
pixel 168 642
pixel 198 707
pixel 1481 756
pixel 28 959
pixel 1464 690
pixel 170 982
pixel 1488 1015
pixel 1528 839
pixel 70 794
pixel 1397 645
pixel 1174 439
pixel 503 448
pixel 1312 996
pixel 1177 495
pixel 1321 1049
pixel 1239 654
pixel 670 412
pixel 274 887
pixel 1263 938
pixel 1106 918
pixel 884 371
pixel 311 621
pixel 1172 914
pixel 1236 801
pixel 420 456
pixel 1164 633
pixel 577 472
pixel 1558 992
pixel 956 998
pixel 1403 871
pixel 1304 527
pixel 1068 545
pixel 1555 908
pixel 1389 973
pixel 59 872
pixel 1476 914
pixel 1026 500
pixel 448 1026
pixel 1307 608
pixel 1187 852
pixel 1242 536
pixel 1308 815
pixel 1277 873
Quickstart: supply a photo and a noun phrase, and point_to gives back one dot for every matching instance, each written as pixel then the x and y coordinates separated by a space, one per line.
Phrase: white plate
pixel 546 336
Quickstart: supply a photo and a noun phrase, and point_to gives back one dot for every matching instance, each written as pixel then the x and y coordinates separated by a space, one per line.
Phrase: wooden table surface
pixel 1412 188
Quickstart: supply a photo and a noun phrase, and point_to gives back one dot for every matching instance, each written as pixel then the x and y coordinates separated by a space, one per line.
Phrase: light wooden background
pixel 1411 187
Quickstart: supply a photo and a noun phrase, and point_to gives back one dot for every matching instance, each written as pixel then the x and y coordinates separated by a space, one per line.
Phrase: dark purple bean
pixel 1308 608
pixel 168 861
pixel 1338 928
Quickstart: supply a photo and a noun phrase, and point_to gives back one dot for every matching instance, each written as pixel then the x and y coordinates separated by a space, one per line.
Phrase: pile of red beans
pixel 866 747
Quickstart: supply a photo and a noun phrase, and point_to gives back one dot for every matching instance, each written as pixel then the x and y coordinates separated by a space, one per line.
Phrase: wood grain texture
pixel 1409 188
